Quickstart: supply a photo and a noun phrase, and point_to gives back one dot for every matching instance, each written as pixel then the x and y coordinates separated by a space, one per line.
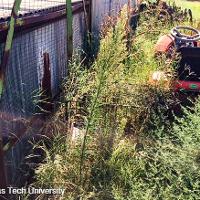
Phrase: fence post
pixel 69 29
pixel 4 63
pixel 8 44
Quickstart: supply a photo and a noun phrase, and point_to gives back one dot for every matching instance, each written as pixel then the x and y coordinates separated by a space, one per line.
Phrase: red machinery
pixel 188 67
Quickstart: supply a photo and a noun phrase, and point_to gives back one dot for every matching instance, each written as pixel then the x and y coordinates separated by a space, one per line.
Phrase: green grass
pixel 193 5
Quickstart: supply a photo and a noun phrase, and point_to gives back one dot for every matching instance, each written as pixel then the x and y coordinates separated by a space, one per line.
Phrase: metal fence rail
pixel 28 6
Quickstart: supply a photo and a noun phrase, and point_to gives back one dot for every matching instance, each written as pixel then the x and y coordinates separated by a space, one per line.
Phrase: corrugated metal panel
pixel 51 39
pixel 79 29
pixel 21 77
pixel 25 72
pixel 103 8
pixel 25 69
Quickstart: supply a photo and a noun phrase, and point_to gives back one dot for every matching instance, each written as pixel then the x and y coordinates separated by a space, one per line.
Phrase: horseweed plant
pixel 129 148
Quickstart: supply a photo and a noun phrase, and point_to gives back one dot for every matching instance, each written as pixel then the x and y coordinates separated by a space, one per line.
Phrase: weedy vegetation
pixel 189 4
pixel 127 146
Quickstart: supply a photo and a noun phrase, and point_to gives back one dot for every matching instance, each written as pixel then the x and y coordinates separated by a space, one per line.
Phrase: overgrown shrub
pixel 128 148
pixel 163 170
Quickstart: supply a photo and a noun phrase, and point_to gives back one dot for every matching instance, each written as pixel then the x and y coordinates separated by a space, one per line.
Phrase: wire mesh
pixel 28 6
pixel 25 72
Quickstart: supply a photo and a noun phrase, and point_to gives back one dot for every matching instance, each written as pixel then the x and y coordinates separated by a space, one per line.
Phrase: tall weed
pixel 129 148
